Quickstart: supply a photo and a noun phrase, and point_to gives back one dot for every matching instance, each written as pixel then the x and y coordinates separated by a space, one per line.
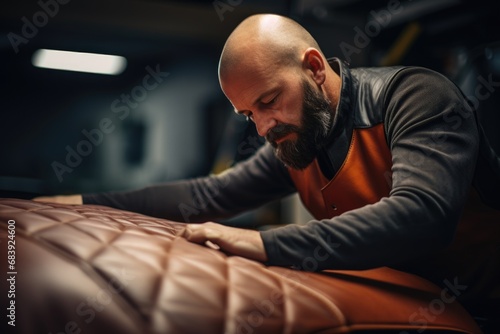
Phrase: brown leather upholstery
pixel 103 270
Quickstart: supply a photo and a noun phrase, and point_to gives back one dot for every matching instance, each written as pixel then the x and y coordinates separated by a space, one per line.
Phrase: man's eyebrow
pixel 257 100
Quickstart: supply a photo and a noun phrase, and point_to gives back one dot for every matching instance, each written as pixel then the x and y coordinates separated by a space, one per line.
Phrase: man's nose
pixel 263 122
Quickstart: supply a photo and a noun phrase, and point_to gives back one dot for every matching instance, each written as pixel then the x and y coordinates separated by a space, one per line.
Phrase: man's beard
pixel 317 113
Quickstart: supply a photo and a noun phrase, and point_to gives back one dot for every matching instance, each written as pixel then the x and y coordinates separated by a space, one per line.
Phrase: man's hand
pixel 66 199
pixel 236 241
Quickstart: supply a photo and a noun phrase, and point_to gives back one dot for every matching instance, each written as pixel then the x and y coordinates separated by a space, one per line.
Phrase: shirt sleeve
pixel 247 185
pixel 432 134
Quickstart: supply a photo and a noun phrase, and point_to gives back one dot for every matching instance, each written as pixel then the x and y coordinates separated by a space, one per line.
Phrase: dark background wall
pixel 184 127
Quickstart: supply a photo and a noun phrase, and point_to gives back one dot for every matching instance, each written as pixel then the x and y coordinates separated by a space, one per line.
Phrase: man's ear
pixel 313 63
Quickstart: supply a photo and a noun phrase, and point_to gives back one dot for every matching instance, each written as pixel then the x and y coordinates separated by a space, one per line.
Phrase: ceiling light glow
pixel 79 61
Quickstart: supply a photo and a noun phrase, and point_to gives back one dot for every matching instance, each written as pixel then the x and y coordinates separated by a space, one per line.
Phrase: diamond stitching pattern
pixel 172 286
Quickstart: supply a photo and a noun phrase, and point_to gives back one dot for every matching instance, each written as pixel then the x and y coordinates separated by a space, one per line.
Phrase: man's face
pixel 299 151
pixel 291 113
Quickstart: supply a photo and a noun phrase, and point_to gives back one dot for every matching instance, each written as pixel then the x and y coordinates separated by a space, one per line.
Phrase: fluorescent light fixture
pixel 79 61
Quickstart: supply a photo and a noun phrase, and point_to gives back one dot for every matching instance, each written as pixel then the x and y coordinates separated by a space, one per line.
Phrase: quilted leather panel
pixel 102 270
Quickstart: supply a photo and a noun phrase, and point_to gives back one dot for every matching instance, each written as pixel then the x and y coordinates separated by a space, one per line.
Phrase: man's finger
pixel 183 233
pixel 200 234
pixel 210 244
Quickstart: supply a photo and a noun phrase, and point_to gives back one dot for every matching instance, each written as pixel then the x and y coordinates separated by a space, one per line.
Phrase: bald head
pixel 263 40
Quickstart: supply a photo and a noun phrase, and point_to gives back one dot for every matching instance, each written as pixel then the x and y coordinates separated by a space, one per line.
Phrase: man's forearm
pixel 246 186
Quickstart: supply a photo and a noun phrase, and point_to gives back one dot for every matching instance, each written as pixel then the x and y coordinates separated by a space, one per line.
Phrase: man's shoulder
pixel 378 88
pixel 383 77
pixel 369 86
pixel 424 82
pixel 383 82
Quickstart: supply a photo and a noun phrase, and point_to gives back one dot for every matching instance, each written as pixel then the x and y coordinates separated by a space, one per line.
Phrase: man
pixel 383 158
